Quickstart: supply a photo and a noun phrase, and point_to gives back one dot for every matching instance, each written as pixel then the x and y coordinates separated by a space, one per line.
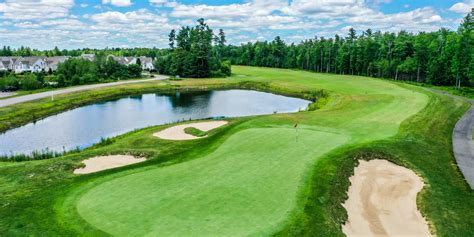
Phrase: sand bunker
pixel 177 132
pixel 100 163
pixel 382 201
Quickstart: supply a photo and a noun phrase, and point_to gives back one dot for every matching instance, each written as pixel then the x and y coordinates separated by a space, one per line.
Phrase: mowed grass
pixel 250 177
pixel 245 187
pixel 250 184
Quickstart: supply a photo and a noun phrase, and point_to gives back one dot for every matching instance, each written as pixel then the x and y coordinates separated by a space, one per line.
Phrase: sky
pixel 44 24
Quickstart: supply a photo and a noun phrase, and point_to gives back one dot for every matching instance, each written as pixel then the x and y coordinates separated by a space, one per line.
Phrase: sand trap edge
pixel 101 163
pixel 371 212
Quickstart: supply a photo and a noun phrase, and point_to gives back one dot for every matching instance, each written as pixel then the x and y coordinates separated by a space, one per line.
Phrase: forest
pixel 440 58
pixel 193 54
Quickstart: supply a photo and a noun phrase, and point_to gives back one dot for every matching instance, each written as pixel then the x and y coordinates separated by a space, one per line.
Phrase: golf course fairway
pixel 255 176
pixel 249 184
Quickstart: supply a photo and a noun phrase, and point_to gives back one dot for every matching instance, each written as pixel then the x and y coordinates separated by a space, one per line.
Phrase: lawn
pixel 256 176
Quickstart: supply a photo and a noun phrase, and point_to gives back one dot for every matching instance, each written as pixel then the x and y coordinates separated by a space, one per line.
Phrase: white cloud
pixel 118 3
pixel 463 7
pixel 39 9
pixel 36 20
pixel 252 8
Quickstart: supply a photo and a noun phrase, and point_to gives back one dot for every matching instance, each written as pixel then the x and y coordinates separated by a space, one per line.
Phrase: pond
pixel 87 125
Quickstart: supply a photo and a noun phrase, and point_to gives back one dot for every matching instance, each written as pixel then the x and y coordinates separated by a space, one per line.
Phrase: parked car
pixel 9 89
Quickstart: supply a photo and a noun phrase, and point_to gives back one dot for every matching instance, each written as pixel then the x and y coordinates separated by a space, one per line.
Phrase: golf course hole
pixel 101 163
pixel 382 201
pixel 179 133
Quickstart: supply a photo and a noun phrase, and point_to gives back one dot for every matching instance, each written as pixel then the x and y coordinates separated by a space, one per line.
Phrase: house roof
pixel 56 60
pixel 144 59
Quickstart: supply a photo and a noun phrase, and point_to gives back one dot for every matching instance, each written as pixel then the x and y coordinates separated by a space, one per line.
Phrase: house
pixel 52 63
pixel 90 57
pixel 147 63
pixel 6 63
pixel 29 64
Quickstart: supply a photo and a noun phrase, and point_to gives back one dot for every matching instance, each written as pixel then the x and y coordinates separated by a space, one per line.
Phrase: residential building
pixel 52 63
pixel 29 64
pixel 90 57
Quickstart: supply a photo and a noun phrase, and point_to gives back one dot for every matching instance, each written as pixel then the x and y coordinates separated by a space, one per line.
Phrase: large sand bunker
pixel 382 201
pixel 100 163
pixel 177 132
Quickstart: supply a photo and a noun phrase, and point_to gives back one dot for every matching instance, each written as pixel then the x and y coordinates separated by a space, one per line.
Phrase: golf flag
pixel 296 125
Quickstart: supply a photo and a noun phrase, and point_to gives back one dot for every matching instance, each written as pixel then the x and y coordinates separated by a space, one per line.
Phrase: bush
pixel 10 82
pixel 226 68
pixel 29 82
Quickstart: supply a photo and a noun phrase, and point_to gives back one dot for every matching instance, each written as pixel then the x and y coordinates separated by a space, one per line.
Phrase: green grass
pixel 254 176
pixel 195 132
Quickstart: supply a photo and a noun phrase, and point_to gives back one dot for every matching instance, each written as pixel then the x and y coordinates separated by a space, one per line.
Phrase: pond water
pixel 85 126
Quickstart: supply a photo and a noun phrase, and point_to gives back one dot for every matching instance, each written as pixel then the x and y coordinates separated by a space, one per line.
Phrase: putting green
pixel 250 185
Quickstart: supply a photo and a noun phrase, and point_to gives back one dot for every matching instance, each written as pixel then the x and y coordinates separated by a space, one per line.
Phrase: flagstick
pixel 296 134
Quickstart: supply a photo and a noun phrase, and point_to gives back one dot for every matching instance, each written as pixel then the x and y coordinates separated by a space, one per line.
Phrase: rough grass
pixel 252 169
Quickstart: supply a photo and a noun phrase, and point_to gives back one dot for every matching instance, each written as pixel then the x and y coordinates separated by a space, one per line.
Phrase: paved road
pixel 26 98
pixel 463 145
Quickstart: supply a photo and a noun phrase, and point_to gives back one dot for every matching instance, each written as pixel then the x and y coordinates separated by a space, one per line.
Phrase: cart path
pixel 463 145
pixel 26 98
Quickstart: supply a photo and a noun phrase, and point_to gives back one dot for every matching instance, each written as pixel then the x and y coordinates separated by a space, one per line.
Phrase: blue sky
pixel 44 24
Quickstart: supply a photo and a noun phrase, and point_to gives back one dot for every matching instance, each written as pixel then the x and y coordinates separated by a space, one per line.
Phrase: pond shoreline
pixel 21 114
pixel 88 125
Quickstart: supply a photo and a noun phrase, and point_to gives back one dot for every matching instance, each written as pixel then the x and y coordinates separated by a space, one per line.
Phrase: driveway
pixel 26 98
pixel 463 145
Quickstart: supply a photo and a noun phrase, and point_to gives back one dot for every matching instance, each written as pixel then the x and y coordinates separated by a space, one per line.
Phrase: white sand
pixel 100 163
pixel 177 132
pixel 382 201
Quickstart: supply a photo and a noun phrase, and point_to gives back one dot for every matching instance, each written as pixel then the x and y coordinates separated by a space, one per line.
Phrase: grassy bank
pixel 254 176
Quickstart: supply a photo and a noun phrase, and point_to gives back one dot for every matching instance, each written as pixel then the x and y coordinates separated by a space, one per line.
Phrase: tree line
pixel 441 58
pixel 122 52
pixel 194 52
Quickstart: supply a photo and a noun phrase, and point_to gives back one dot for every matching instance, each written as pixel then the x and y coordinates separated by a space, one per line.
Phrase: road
pixel 463 145
pixel 26 98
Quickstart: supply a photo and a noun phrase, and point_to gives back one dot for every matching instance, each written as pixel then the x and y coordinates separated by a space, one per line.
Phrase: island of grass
pixel 195 132
pixel 251 177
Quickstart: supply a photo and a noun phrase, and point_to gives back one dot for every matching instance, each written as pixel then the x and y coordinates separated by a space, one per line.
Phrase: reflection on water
pixel 86 125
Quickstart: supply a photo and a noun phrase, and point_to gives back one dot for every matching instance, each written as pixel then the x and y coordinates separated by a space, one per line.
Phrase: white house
pixel 29 64
pixel 90 57
pixel 6 63
pixel 147 63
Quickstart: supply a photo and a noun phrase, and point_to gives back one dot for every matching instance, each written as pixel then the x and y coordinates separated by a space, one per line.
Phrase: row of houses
pixel 46 64
pixel 31 64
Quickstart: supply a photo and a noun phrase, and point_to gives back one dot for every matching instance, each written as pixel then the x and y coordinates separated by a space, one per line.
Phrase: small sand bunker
pixel 382 201
pixel 100 163
pixel 177 132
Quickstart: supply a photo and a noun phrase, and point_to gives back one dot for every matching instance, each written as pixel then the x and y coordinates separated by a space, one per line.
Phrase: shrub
pixel 29 82
pixel 226 68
